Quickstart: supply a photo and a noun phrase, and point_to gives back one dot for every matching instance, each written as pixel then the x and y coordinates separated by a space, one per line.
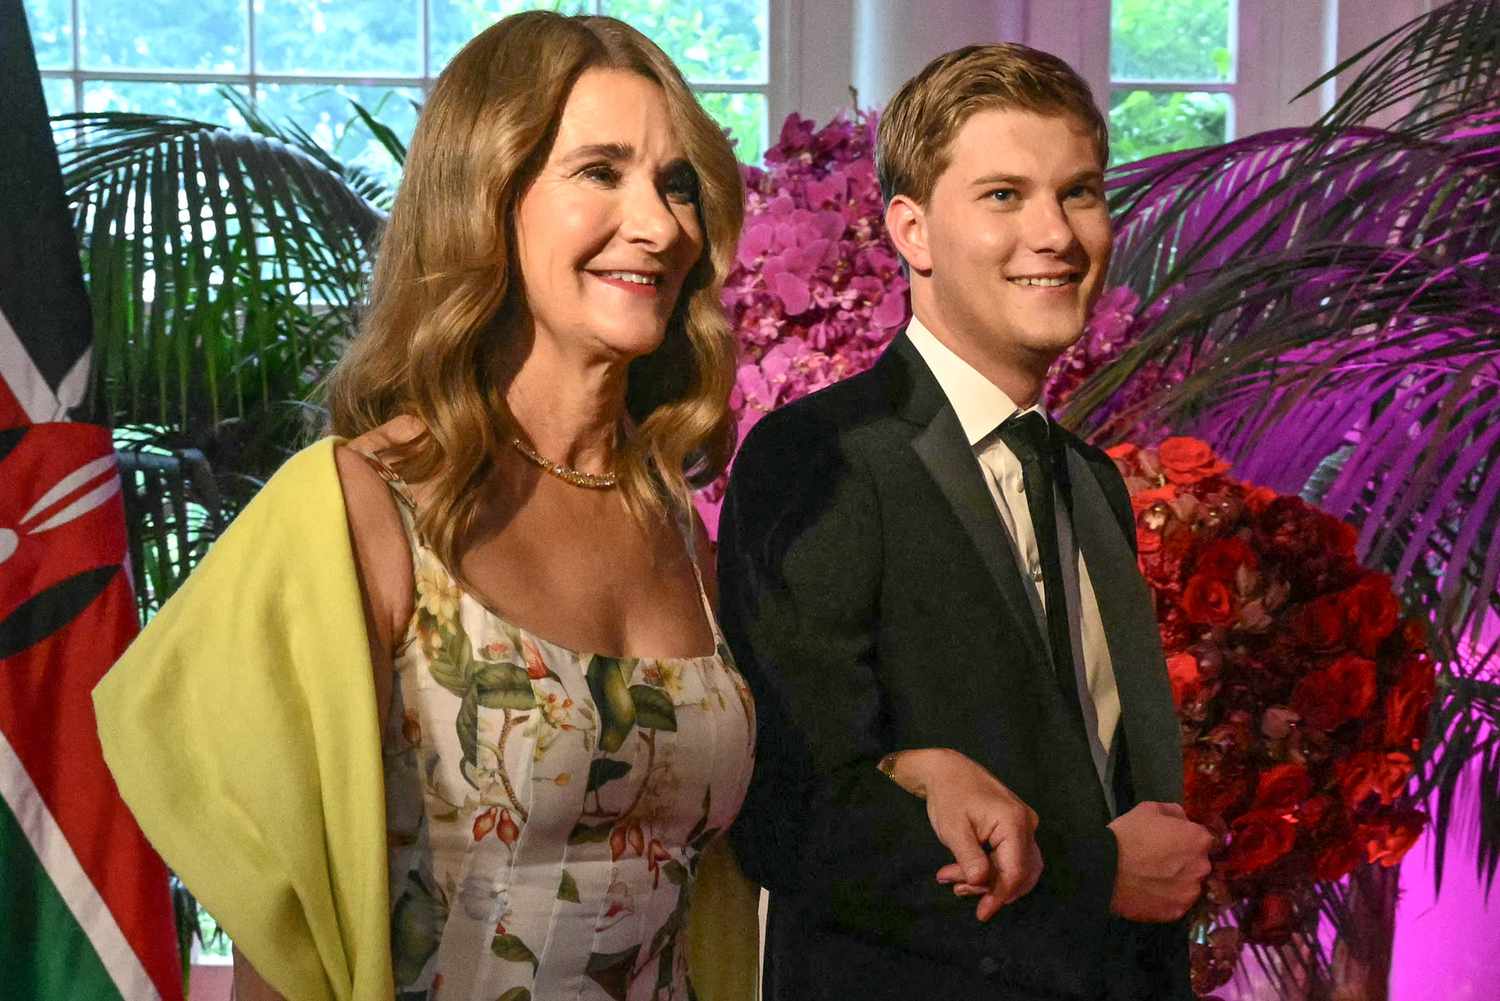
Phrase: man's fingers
pixel 1172 810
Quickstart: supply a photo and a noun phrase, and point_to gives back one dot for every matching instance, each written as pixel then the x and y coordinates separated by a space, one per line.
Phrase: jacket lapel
pixel 1150 724
pixel 944 450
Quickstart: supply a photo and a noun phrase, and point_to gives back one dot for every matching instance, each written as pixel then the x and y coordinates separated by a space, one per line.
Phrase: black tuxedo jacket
pixel 871 597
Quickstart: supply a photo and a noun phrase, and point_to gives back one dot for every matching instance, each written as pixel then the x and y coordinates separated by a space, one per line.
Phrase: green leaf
pixel 653 708
pixel 467 726
pixel 416 928
pixel 584 834
pixel 503 686
pixel 567 889
pixel 513 950
pixel 608 679
pixel 515 994
pixel 448 674
pixel 602 770
pixel 611 971
pixel 675 872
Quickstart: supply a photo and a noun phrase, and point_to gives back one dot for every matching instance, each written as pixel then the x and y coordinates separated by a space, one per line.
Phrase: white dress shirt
pixel 982 407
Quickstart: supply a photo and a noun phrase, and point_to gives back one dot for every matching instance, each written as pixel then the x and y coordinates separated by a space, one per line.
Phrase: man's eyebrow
pixel 603 151
pixel 998 179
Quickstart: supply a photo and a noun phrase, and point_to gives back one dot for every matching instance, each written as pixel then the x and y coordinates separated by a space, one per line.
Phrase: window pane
pixel 59 95
pixel 201 101
pixel 744 115
pixel 204 35
pixel 723 41
pixel 1143 123
pixel 325 112
pixel 51 32
pixel 1186 40
pixel 453 22
pixel 331 37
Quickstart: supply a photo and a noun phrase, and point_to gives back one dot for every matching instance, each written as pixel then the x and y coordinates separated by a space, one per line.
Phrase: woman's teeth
pixel 1042 282
pixel 632 276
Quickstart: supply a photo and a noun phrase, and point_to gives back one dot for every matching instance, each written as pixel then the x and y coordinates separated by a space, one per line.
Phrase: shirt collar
pixel 981 405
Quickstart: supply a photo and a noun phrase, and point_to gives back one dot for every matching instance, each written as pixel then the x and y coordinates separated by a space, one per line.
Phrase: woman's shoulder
pixel 381 548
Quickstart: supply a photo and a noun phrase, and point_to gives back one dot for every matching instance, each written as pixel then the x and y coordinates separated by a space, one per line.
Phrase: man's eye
pixel 1084 191
pixel 1004 194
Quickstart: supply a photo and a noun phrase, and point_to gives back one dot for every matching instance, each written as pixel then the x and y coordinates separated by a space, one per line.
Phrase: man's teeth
pixel 1043 282
pixel 632 276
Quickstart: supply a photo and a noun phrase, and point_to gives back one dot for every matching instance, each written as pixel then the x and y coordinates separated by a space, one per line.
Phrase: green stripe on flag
pixel 44 952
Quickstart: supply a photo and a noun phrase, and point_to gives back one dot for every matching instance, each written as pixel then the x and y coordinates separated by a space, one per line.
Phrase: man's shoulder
pixel 822 421
pixel 1092 454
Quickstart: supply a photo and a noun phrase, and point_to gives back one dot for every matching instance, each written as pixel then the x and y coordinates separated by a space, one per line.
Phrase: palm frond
pixel 223 267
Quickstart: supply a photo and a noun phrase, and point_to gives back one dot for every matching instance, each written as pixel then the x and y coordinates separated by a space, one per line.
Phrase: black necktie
pixel 1027 435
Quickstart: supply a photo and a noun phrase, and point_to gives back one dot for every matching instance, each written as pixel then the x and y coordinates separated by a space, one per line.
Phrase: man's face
pixel 1015 238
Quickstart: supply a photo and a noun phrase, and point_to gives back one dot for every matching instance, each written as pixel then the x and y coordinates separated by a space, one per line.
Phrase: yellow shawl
pixel 241 729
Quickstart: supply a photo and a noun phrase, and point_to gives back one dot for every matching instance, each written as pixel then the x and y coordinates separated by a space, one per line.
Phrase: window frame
pixel 779 88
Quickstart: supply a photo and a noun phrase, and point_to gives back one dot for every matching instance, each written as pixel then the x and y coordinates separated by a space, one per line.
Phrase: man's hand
pixel 986 826
pixel 1163 861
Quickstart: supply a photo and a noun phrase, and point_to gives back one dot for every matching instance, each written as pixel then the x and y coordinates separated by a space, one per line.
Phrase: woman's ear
pixel 906 222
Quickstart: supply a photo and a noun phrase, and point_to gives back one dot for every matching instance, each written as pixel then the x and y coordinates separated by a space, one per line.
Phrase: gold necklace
pixel 567 474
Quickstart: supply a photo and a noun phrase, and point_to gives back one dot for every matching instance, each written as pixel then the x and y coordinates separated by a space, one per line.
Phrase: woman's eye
pixel 682 185
pixel 601 173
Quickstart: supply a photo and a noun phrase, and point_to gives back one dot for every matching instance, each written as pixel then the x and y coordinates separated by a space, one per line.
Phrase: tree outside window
pixel 304 60
pixel 1172 75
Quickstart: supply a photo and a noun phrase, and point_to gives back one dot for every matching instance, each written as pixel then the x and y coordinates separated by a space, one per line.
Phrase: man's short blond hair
pixel 918 127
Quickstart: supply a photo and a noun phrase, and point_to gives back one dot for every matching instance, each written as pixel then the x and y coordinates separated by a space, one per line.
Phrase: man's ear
pixel 906 222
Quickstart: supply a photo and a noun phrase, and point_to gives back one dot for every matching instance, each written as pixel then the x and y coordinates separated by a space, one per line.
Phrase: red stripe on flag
pixel 45 707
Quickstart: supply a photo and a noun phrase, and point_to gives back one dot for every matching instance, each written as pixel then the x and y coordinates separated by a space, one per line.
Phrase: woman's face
pixel 609 229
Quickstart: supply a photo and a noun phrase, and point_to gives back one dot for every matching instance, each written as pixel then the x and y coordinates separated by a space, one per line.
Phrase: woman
pixel 562 732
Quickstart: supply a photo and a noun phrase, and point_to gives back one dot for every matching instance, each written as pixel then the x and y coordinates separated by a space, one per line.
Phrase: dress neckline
pixel 407 507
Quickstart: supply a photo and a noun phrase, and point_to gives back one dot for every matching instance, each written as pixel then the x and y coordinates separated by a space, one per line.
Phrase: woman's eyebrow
pixel 605 151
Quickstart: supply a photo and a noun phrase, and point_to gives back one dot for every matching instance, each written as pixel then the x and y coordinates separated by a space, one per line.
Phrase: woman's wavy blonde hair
pixel 445 287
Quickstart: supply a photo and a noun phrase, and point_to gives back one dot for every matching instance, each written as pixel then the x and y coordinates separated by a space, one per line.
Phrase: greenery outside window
pixel 304 60
pixel 1173 75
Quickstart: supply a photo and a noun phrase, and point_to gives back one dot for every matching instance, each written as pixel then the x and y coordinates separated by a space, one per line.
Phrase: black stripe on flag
pixel 41 280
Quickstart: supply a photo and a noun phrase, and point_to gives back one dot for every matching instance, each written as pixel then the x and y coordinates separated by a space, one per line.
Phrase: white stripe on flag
pixel 73 884
pixel 27 385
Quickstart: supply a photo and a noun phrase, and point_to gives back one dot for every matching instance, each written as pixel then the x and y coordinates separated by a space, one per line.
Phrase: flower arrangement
pixel 817 289
pixel 1303 696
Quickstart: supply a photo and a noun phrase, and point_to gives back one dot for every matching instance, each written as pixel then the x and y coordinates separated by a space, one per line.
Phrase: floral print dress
pixel 547 808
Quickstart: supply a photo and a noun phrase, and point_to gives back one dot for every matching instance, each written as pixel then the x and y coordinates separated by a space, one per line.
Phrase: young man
pixel 968 762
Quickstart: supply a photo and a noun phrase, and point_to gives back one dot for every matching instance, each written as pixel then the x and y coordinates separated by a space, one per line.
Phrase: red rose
pixel 1144 500
pixel 1122 451
pixel 1211 786
pixel 1388 842
pixel 1410 703
pixel 1223 558
pixel 1322 623
pixel 1260 838
pixel 1373 773
pixel 1339 859
pixel 1272 920
pixel 1312 813
pixel 1282 787
pixel 1371 609
pixel 1208 601
pixel 1189 460
pixel 1338 537
pixel 1147 542
pixel 1257 498
pixel 1182 672
pixel 1338 693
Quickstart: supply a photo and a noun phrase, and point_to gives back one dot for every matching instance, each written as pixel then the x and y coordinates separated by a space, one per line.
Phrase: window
pixel 1173 75
pixel 305 59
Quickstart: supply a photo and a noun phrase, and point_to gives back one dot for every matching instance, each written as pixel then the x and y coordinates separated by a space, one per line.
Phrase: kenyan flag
pixel 85 910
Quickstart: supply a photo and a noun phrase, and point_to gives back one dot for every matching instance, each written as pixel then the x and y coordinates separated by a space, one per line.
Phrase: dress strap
pixel 406 504
pixel 684 519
